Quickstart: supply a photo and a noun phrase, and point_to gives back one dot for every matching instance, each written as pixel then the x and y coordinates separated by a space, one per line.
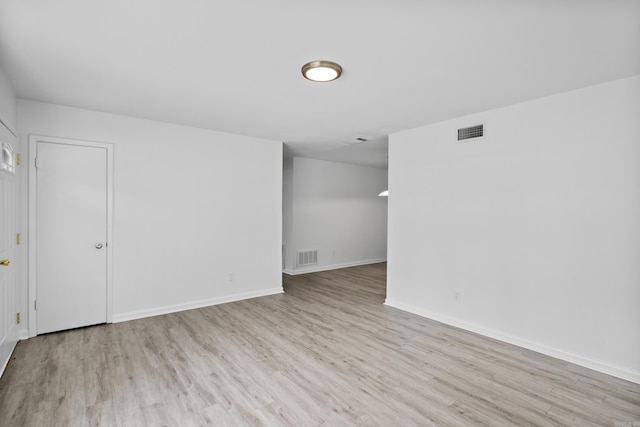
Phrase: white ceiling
pixel 234 65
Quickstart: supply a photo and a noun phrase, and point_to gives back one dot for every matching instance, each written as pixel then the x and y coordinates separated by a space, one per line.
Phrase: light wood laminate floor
pixel 327 352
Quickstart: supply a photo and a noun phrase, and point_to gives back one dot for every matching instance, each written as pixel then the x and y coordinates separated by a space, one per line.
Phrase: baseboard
pixel 520 342
pixel 4 365
pixel 123 317
pixel 316 269
pixel 6 362
pixel 23 334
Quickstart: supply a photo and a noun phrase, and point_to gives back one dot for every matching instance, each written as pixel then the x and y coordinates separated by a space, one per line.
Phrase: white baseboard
pixel 316 269
pixel 6 362
pixel 23 334
pixel 123 317
pixel 520 342
pixel 4 366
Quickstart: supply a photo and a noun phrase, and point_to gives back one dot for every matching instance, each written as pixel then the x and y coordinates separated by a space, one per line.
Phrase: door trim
pixel 33 238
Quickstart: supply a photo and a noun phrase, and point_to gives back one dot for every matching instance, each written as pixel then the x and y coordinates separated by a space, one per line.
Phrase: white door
pixel 71 233
pixel 8 245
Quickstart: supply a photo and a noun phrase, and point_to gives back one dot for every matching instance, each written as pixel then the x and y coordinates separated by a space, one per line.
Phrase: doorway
pixel 70 217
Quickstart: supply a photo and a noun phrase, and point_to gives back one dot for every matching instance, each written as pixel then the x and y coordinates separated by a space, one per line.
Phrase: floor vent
pixel 471 132
pixel 309 257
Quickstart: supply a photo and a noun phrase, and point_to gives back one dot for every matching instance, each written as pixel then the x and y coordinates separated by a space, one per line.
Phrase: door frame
pixel 33 238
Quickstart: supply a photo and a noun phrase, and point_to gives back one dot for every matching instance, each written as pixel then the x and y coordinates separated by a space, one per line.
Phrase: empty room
pixel 337 213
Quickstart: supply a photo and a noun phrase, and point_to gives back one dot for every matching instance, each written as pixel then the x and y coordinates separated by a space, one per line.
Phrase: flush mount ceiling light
pixel 321 71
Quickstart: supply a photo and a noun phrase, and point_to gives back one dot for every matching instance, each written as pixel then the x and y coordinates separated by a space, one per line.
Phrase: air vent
pixel 471 132
pixel 358 140
pixel 309 257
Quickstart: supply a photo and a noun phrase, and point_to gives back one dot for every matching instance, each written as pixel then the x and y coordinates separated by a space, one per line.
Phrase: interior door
pixel 8 245
pixel 71 227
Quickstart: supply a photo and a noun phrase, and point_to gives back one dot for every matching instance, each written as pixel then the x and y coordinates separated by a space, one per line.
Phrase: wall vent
pixel 471 132
pixel 309 257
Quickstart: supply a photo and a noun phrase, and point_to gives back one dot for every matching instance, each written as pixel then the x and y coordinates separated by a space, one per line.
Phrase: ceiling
pixel 234 65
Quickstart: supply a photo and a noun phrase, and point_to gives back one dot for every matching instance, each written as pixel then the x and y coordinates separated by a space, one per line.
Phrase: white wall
pixel 191 206
pixel 7 102
pixel 537 226
pixel 336 210
pixel 287 212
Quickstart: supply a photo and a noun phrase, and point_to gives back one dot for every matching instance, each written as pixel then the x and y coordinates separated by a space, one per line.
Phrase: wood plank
pixel 325 353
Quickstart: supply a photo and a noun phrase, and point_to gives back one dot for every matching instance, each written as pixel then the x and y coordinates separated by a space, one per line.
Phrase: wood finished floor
pixel 327 352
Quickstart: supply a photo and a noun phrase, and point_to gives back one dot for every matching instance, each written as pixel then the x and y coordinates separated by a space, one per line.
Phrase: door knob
pixel 98 245
pixel 4 262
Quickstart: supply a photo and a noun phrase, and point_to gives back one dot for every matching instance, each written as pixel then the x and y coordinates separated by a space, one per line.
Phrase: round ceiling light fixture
pixel 321 71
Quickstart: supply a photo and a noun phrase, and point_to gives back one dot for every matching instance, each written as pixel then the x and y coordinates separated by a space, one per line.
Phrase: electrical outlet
pixel 231 277
pixel 333 254
pixel 457 295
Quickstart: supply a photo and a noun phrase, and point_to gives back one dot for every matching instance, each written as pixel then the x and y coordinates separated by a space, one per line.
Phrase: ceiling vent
pixel 358 140
pixel 471 133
